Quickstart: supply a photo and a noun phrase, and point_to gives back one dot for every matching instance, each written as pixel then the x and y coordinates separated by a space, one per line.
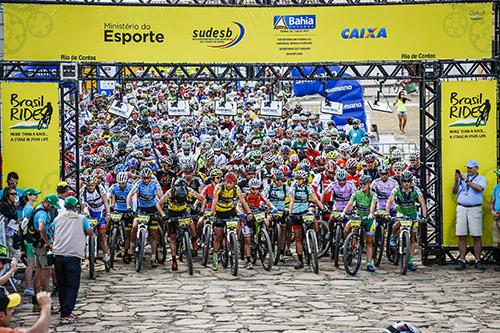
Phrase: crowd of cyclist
pixel 216 167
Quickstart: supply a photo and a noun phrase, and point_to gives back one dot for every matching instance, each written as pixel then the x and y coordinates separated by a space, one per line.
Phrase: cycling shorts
pixel 127 221
pixel 369 226
pixel 101 224
pixel 296 220
pixel 221 217
pixel 151 212
pixel 172 222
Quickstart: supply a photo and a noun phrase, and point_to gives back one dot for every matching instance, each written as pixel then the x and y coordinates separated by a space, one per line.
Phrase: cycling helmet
pixel 217 145
pixel 278 174
pixel 231 177
pixel 401 327
pixel 396 154
pixel 365 179
pixel 254 183
pixel 285 150
pixel 351 163
pixel 278 160
pixel 285 169
pixel 120 168
pixel 305 165
pixel 406 176
pixel 369 157
pixel 398 165
pixel 294 159
pixel 209 155
pixel 330 166
pixel 216 173
pixel 99 173
pixel 180 182
pixel 415 155
pixel 256 153
pixel 271 133
pixel 237 155
pixel 250 168
pixel 122 178
pixel 365 139
pixel 301 174
pixel 383 169
pixel 354 149
pixel 146 172
pixel 345 147
pixel 341 174
pixel 320 160
pixel 331 155
pixel 268 159
pixel 189 167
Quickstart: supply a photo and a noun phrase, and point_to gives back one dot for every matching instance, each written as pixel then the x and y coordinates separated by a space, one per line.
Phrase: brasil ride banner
pixel 468 131
pixel 83 33
pixel 30 134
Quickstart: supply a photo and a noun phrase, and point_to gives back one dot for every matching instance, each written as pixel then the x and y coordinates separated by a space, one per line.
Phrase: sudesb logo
pixel 220 38
pixel 294 22
pixel 30 113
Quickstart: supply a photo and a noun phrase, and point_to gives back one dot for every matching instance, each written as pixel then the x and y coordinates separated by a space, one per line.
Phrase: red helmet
pixel 230 177
pixel 320 160
pixel 331 166
pixel 285 169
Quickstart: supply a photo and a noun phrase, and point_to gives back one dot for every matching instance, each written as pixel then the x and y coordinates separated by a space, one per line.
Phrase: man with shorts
pixel 470 190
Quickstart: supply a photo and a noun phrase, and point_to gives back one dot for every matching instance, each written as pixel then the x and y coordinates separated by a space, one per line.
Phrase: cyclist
pixel 95 203
pixel 339 192
pixel 383 187
pixel 176 202
pixel 254 199
pixel 148 192
pixel 224 207
pixel 208 196
pixel 365 202
pixel 406 197
pixel 301 194
pixel 276 193
pixel 119 193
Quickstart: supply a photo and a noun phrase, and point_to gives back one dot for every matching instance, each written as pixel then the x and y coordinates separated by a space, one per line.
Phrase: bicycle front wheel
pixel 352 252
pixel 233 253
pixel 189 254
pixel 378 245
pixel 313 244
pixel 161 251
pixel 337 244
pixel 207 243
pixel 323 239
pixel 91 256
pixel 404 252
pixel 113 247
pixel 139 255
pixel 265 250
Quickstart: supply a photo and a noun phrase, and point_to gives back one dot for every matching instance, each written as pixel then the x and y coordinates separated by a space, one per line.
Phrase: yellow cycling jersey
pixel 227 197
pixel 175 206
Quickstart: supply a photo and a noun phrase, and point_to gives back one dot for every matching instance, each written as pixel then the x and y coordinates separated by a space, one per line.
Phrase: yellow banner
pixel 469 131
pixel 30 134
pixel 36 32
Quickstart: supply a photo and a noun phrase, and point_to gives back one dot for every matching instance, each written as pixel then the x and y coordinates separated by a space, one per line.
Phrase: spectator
pixel 4 260
pixel 42 223
pixel 13 180
pixel 70 229
pixel 8 210
pixel 374 136
pixel 495 211
pixel 30 197
pixel 470 190
pixel 9 302
pixel 400 103
pixel 62 194
pixel 356 133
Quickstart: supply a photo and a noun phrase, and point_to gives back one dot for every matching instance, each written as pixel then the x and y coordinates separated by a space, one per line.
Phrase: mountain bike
pixel 229 245
pixel 206 240
pixel 261 242
pixel 378 242
pixel 309 239
pixel 275 235
pixel 352 250
pixel 91 247
pixel 141 240
pixel 184 240
pixel 117 236
pixel 403 242
pixel 336 237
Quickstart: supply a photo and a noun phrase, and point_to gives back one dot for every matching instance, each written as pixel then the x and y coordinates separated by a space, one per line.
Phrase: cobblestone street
pixel 434 299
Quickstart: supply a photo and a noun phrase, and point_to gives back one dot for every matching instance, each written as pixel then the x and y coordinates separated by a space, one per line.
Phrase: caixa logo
pixel 294 22
pixel 350 33
pixel 221 38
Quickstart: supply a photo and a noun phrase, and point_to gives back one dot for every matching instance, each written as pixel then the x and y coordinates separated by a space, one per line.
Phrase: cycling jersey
pixel 227 197
pixel 208 194
pixel 405 203
pixel 354 178
pixel 341 194
pixel 363 201
pixel 146 194
pixel 416 173
pixel 320 183
pixel 165 179
pixel 120 197
pixel 93 199
pixel 383 191
pixel 254 200
pixel 302 195
pixel 277 195
pixel 172 205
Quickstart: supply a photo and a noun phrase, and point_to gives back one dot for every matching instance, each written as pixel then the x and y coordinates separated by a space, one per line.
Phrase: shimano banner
pixel 350 94
pixel 309 87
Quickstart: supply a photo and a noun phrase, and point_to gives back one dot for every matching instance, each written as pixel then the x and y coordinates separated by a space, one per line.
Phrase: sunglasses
pixel 146 178
pixel 383 173
pixel 13 193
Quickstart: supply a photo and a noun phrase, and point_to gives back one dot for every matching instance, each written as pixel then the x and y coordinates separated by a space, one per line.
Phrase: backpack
pixel 27 229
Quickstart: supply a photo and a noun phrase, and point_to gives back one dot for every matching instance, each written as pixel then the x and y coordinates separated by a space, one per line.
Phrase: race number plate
pixel 355 223
pixel 93 222
pixel 184 222
pixel 260 216
pixel 308 218
pixel 116 217
pixel 406 224
pixel 381 213
pixel 336 214
pixel 231 224
pixel 143 218
pixel 278 214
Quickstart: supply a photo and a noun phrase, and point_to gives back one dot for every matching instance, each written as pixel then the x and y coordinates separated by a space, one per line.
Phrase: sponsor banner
pixel 351 108
pixel 335 108
pixel 272 109
pixel 226 108
pixel 30 133
pixel 214 34
pixel 468 131
pixel 121 109
pixel 178 108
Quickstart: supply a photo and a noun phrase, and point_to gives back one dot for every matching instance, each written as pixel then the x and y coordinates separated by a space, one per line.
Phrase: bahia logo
pixel 220 38
pixel 294 22
pixel 350 33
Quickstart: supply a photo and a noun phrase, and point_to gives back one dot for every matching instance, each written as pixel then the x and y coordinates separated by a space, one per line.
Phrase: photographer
pixel 4 260
pixel 469 189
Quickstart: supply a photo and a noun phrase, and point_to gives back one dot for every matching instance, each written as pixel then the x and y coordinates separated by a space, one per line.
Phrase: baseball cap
pixel 4 252
pixel 70 202
pixel 472 164
pixel 30 191
pixel 8 301
pixel 62 184
pixel 53 200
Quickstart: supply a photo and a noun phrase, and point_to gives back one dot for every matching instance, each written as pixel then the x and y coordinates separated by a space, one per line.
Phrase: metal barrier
pixel 406 147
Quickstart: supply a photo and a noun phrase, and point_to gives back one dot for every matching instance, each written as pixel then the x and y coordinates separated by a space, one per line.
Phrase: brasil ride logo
pixel 220 38
pixel 469 110
pixel 30 113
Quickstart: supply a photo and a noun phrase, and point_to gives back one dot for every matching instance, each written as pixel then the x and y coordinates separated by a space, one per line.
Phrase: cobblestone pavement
pixel 435 299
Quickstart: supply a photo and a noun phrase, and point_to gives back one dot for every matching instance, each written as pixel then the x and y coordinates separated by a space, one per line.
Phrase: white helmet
pixel 122 178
